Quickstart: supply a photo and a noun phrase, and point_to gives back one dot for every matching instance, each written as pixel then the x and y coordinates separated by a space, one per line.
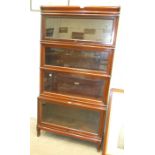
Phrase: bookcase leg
pixel 98 147
pixel 38 132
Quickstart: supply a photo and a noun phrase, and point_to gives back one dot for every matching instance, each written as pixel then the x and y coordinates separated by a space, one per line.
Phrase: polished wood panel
pixel 73 101
pixel 90 73
pixel 75 134
pixel 77 45
pixel 107 10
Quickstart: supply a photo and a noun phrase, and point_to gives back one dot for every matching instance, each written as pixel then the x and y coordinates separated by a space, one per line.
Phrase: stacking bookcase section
pixel 69 119
pixel 73 56
pixel 88 24
pixel 77 49
pixel 75 85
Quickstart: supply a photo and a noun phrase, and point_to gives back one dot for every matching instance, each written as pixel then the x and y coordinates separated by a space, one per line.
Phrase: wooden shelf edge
pixel 72 130
pixel 75 71
pixel 76 43
pixel 74 102
pixel 73 98
pixel 107 10
pixel 94 139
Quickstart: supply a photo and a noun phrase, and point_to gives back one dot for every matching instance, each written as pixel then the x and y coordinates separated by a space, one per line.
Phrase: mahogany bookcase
pixel 77 49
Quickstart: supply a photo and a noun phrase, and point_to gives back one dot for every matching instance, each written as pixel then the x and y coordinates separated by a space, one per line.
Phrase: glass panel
pixel 76 59
pixel 98 30
pixel 71 84
pixel 71 117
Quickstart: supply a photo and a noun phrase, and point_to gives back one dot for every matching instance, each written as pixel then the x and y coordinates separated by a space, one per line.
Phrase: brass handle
pixel 68 54
pixel 76 83
pixel 69 102
pixel 50 74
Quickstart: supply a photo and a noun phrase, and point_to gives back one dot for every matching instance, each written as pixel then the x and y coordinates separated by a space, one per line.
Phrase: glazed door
pixel 70 117
pixel 78 59
pixel 87 29
pixel 74 85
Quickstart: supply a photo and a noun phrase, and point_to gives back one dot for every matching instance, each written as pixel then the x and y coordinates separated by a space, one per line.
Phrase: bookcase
pixel 77 49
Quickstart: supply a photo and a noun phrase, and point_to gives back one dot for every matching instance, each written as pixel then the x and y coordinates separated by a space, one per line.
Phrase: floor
pixel 52 144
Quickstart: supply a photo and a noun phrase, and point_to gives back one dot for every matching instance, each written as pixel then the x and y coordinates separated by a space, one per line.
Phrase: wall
pixel 19 72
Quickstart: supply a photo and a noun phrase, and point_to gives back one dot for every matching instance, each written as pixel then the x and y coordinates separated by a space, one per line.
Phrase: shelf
pixel 97 10
pixel 73 101
pixel 70 132
pixel 76 71
pixel 76 44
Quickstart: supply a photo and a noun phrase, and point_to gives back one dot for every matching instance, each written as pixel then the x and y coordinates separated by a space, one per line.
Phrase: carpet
pixel 52 144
